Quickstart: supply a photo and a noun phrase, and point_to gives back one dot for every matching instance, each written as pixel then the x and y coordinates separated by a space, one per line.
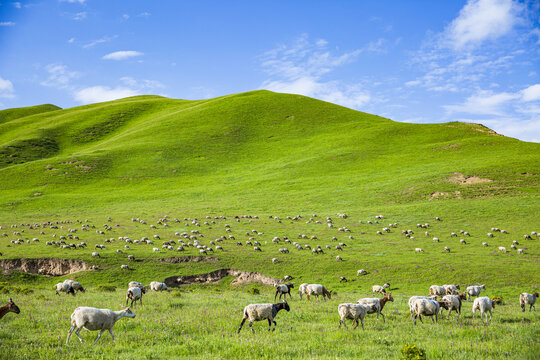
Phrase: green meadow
pixel 269 156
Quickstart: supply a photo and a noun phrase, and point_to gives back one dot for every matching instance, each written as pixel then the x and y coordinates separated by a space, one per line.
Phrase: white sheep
pixel 158 286
pixel 95 254
pixel 474 290
pixel 427 308
pixel 454 303
pixel 484 304
pixel 283 290
pixel 502 249
pixel 275 260
pixel 96 319
pixel 451 289
pixel 528 299
pixel 134 293
pixel 419 250
pixel 137 284
pixel 352 312
pixel 376 305
pixel 437 290
pixel 380 289
pixel 258 312
pixel 412 300
pixel 317 290
pixel 75 285
pixel 124 267
pixel 361 272
pixel 302 289
pixel 64 287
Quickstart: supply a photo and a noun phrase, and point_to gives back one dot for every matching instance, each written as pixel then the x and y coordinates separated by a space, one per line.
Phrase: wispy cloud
pixel 122 55
pixel 482 20
pixel 7 23
pixel 303 67
pixel 17 5
pixel 142 84
pixel 59 76
pixel 484 103
pixel 74 1
pixel 103 93
pixel 80 16
pixel 7 91
pixel 102 40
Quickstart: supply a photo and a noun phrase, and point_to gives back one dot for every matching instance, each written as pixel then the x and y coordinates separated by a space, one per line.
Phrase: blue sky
pixel 411 61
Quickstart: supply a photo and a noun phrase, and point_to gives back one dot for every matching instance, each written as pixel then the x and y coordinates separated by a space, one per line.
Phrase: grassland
pixel 265 154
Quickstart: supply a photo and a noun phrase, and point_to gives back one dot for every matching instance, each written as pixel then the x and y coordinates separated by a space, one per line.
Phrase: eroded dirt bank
pixel 44 266
pixel 241 277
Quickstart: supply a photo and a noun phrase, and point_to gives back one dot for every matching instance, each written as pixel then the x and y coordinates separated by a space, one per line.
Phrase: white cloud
pixel 7 23
pixel 17 5
pixel 531 93
pixel 125 16
pixel 71 40
pixel 80 16
pixel 7 91
pixel 96 94
pixel 481 20
pixel 142 84
pixel 144 14
pixel 59 76
pixel 102 40
pixel 122 55
pixel 303 67
pixel 484 103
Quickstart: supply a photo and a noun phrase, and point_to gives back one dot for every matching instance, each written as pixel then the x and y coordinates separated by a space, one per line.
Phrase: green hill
pixel 258 150
pixel 11 114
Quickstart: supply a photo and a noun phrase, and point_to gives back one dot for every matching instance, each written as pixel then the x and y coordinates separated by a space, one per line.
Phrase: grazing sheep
pixel 95 254
pixel 275 260
pixel 96 319
pixel 338 258
pixel 380 289
pixel 124 267
pixel 484 244
pixel 474 290
pixel 525 299
pixel 342 279
pixel 352 312
pixel 302 289
pixel 317 290
pixel 502 249
pixel 137 284
pixel 283 290
pixel 376 305
pixel 131 257
pixel 484 304
pixel 451 289
pixel 158 286
pixel 437 290
pixel 258 312
pixel 426 307
pixel 462 241
pixel 446 249
pixel 453 303
pixel 361 272
pixel 75 285
pixel 520 251
pixel 134 293
pixel 64 287
pixel 419 250
pixel 9 307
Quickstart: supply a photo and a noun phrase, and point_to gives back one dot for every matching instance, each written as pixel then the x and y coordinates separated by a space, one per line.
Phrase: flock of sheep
pixel 441 297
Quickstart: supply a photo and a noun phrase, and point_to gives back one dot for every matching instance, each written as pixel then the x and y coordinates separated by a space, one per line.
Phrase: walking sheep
pixel 64 287
pixel 426 308
pixel 259 312
pixel 528 299
pixel 75 285
pixel 283 290
pixel 317 290
pixel 134 294
pixel 302 289
pixel 484 304
pixel 96 319
pixel 352 312
pixel 158 286
pixel 376 305
pixel 474 290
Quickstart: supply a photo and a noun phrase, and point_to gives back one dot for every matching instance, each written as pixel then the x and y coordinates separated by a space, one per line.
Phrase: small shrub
pixel 497 299
pixel 413 352
pixel 108 288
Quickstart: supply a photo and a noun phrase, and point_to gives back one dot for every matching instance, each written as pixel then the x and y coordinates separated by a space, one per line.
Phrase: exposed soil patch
pixel 49 267
pixel 442 195
pixel 461 179
pixel 182 259
pixel 242 277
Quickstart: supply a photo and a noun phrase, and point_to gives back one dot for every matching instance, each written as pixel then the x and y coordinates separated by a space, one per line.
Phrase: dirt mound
pixel 242 277
pixel 50 267
pixel 182 259
pixel 461 179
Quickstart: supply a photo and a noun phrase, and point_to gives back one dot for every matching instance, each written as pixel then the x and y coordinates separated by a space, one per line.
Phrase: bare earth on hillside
pixel 242 277
pixel 49 267
pixel 461 179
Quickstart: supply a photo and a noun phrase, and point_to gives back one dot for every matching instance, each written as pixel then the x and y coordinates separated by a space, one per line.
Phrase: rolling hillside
pixel 259 150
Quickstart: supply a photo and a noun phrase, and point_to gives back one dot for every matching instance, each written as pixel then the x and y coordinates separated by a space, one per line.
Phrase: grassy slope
pixel 247 151
pixel 12 114
pixel 270 154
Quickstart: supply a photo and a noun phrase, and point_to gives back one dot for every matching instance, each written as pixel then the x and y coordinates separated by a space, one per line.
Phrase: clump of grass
pixel 107 288
pixel 411 352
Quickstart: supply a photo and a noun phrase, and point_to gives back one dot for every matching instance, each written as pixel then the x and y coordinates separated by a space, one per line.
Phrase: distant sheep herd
pixel 445 297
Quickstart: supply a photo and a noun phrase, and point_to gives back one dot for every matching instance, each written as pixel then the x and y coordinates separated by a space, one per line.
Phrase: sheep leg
pixel 275 323
pixel 112 335
pixel 362 321
pixel 251 326
pixel 275 296
pixel 383 317
pixel 69 333
pixel 79 335
pixel 242 324
pixel 355 321
pixel 341 322
pixel 101 332
pixel 269 324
